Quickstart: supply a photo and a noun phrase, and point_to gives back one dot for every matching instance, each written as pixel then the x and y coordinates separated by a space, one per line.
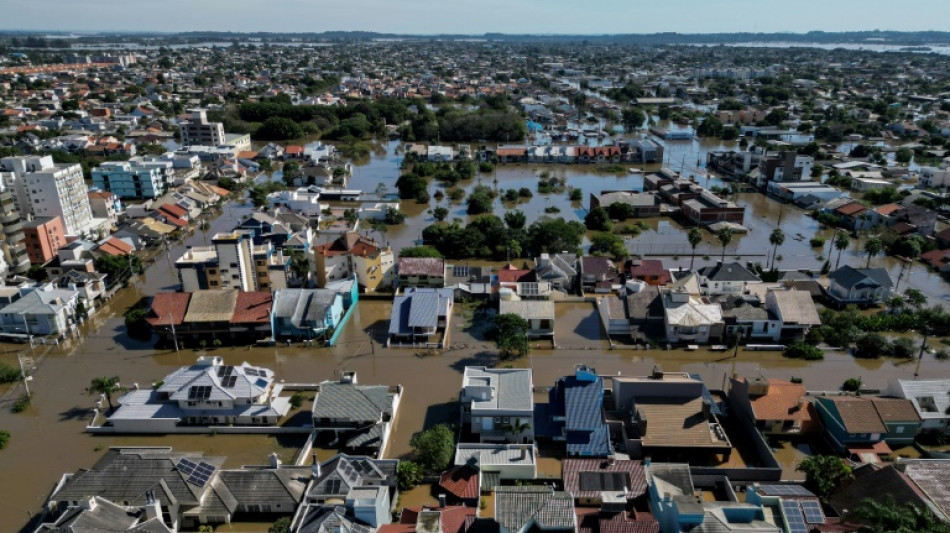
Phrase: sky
pixel 476 17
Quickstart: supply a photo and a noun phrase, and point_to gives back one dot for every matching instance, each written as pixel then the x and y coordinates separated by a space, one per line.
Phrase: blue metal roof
pixel 582 402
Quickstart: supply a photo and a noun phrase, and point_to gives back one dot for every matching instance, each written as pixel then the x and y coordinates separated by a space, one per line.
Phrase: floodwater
pixel 48 439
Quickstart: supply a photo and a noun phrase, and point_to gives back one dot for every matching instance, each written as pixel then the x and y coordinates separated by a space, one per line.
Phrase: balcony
pixel 13 227
pixel 15 237
pixel 9 218
pixel 22 266
pixel 18 249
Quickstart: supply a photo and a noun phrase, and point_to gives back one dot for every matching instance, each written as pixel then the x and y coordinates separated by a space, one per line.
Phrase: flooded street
pixel 61 407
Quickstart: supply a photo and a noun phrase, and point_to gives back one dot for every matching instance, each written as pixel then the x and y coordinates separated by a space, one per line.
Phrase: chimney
pixel 441 499
pixel 524 452
pixel 657 372
pixel 274 460
pixel 315 469
pixel 153 509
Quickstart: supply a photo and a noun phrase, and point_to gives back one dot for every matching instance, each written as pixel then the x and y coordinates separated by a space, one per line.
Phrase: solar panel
pixel 793 515
pixel 813 512
pixel 199 392
pixel 263 373
pixel 185 466
pixel 250 372
pixel 201 474
pixel 784 490
pixel 225 370
pixel 229 381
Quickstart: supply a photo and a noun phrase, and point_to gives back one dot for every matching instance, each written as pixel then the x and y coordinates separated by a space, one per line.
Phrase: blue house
pixel 266 228
pixel 311 313
pixel 575 414
pixel 863 426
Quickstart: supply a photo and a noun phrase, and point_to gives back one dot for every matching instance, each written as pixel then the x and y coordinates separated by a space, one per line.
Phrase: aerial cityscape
pixel 325 277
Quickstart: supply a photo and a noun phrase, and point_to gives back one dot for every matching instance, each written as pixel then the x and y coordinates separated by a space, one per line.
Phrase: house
pixel 208 393
pixel 421 272
pixel 99 514
pixel 360 417
pixel 591 481
pixel 461 484
pixel 498 404
pixel 931 400
pixel 352 253
pixel 348 493
pixel 469 281
pixel 687 317
pixel 420 317
pixel 641 204
pixel 44 310
pixel 496 462
pixel 860 286
pixel 669 415
pixel 773 406
pixel 442 519
pixel 251 319
pixel 794 310
pixel 649 271
pixel 526 508
pixel 43 237
pixel 599 274
pixel 560 270
pixel 678 508
pixel 181 490
pixel 538 313
pixel 938 260
pixel 863 427
pixel 801 509
pixel 878 484
pixel 309 313
pixel 726 278
pixel 707 208
pixel 574 415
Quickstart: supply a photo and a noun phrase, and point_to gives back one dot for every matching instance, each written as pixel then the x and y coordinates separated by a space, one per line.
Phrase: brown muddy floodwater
pixel 48 439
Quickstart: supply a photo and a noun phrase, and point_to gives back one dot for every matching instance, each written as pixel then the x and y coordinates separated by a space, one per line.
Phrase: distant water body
pixel 942 49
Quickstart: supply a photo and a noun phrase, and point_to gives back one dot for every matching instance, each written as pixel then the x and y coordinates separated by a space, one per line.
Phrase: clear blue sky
pixel 468 16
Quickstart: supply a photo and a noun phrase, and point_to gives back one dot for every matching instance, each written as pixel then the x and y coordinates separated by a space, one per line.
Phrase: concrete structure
pixel 44 236
pixel 43 310
pixel 931 399
pixel 421 272
pixel 15 258
pixel 773 406
pixel 199 131
pixel 538 313
pixel 498 404
pixel 233 262
pixel 498 462
pixel 421 317
pixel 358 417
pixel 352 254
pixel 690 319
pixel 51 189
pixel 128 179
pixel 864 286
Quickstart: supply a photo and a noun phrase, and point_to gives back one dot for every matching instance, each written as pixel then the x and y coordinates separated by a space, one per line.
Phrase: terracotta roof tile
pixel 164 303
pixel 252 308
pixel 461 482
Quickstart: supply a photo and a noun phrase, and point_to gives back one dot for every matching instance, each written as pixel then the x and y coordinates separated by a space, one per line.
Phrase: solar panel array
pixel 813 512
pixel 784 490
pixel 333 486
pixel 201 474
pixel 199 392
pixel 793 515
pixel 250 371
pixel 229 381
pixel 185 466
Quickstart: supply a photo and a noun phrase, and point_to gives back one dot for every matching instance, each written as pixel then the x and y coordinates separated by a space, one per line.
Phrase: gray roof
pixel 125 474
pixel 728 272
pixel 283 486
pixel 248 381
pixel 330 519
pixel 105 516
pixel 511 387
pixel 516 508
pixel 355 403
pixel 342 473
pixel 528 309
pixel 418 308
pixel 41 302
pixel 848 277
pixel 303 306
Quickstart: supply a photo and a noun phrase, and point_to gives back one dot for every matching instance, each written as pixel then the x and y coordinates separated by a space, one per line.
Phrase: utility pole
pixel 171 323
pixel 23 372
pixel 920 357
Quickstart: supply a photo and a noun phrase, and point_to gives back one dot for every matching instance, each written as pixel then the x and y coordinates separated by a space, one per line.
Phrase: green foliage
pixel 711 126
pixel 515 220
pixel 408 475
pixel 824 474
pixel 394 216
pixel 117 268
pixel 440 213
pixel 549 184
pixel 282 525
pixel 511 334
pixel 411 185
pixel 851 385
pixel 479 200
pixel 296 400
pixel 892 517
pixel 576 195
pixel 434 448
pixel 632 118
pixel 553 235
pixel 258 193
pixel 456 194
pixel 419 251
pixel 801 350
pixel 884 195
pixel 483 125
pixel 105 385
pixel 4 438
pixel 21 404
pixel 903 155
pixel 278 129
pixel 608 244
pixel 872 345
pixel 597 219
pixel 485 167
pixel 8 373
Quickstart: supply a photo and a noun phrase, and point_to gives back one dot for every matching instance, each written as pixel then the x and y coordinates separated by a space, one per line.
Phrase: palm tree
pixel 842 240
pixel 517 427
pixel 695 237
pixel 873 246
pixel 105 385
pixel 725 237
pixel 776 238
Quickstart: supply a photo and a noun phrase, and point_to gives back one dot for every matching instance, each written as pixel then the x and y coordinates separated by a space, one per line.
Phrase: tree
pixel 440 213
pixel 801 350
pixel 515 219
pixel 282 525
pixel 871 345
pixel 632 118
pixel 842 240
pixel 394 217
pixel 408 475
pixel 725 237
pixel 116 267
pixel 695 237
pixel 479 201
pixel 903 155
pixel 434 448
pixel 888 516
pixel 608 244
pixel 776 239
pixel 300 264
pixel 411 186
pixel 4 438
pixel 278 129
pixel 511 334
pixel 597 219
pixel 105 385
pixel 517 427
pixel 824 474
pixel 873 246
pixel 915 298
pixel 290 172
pixel 419 251
pixel 554 235
pixel 851 385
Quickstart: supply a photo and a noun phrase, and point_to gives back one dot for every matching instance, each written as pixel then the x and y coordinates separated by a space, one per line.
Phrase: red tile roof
pixel 421 266
pixel 164 303
pixel 512 274
pixel 454 519
pixel 590 520
pixel 650 268
pixel 174 209
pixel 115 246
pixel 293 149
pixel 571 470
pixel 888 209
pixel 461 482
pixel 936 258
pixel 782 403
pixel 851 209
pixel 252 308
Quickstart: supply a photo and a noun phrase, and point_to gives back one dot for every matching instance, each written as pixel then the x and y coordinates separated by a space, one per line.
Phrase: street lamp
pixel 171 323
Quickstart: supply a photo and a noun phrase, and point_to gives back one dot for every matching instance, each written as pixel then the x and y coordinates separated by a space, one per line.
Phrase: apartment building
pixel 14 259
pixel 44 236
pixel 233 262
pixel 50 189
pixel 131 179
pixel 199 131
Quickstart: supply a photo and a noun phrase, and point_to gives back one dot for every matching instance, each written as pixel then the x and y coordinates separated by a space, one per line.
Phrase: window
pixel 498 420
pixel 899 429
pixel 505 420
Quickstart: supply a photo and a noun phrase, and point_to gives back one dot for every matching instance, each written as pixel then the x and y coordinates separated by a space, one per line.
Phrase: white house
pixel 726 279
pixel 931 399
pixel 496 400
pixel 44 310
pixel 303 200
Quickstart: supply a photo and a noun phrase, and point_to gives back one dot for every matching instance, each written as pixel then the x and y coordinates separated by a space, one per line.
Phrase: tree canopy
pixel 434 448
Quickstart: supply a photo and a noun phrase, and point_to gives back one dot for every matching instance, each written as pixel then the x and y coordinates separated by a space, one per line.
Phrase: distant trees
pixel 597 219
pixel 479 201
pixel 278 129
pixel 891 516
pixel 419 251
pixel 609 244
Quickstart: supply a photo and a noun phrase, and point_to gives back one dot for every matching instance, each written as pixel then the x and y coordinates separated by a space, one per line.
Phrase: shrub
pixel 903 348
pixel 800 350
pixel 296 400
pixel 4 438
pixel 852 384
pixel 817 242
pixel 408 475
